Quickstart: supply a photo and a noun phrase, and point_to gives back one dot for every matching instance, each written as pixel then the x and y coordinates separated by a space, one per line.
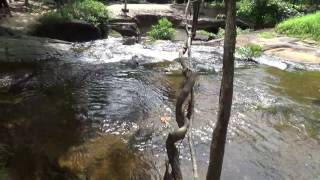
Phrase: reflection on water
pixel 102 121
pixel 35 132
pixel 301 86
pixel 107 157
pixel 45 135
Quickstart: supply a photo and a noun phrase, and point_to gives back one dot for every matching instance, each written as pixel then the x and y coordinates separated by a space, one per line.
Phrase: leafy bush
pixel 266 12
pixel 250 51
pixel 304 27
pixel 55 17
pixel 221 33
pixel 206 33
pixel 163 30
pixel 86 10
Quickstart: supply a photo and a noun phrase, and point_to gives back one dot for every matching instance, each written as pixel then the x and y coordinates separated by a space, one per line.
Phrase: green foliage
pixel 267 35
pixel 3 173
pixel 206 33
pixel 305 2
pixel 54 17
pixel 221 32
pixel 243 31
pixel 266 12
pixel 221 16
pixel 216 4
pixel 163 30
pixel 86 10
pixel 303 27
pixel 250 51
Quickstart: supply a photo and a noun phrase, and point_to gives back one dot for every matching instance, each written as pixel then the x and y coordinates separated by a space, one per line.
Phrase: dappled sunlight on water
pixel 101 118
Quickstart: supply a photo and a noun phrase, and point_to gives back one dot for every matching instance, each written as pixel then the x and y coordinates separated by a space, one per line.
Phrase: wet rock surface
pixel 32 49
pixel 126 29
pixel 7 32
pixel 26 49
pixel 292 51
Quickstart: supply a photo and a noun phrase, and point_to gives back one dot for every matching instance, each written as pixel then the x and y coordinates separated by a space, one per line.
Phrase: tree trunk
pixel 226 92
pixel 26 2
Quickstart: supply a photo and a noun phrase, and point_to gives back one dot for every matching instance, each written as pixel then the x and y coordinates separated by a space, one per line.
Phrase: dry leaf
pixel 165 119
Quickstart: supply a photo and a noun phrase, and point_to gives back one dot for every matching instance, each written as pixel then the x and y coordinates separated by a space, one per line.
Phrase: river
pixel 98 117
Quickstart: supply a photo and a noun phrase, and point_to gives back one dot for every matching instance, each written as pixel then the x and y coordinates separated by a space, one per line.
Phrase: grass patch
pixel 163 30
pixel 85 10
pixel 305 27
pixel 267 35
pixel 250 51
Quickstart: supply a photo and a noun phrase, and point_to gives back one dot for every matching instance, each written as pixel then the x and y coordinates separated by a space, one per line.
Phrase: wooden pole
pixel 125 10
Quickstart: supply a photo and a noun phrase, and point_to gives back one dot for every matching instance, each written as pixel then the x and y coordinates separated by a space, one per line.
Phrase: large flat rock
pixel 288 48
pixel 150 13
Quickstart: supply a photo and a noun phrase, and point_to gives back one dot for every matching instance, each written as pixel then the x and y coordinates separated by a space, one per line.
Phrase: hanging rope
pixel 185 99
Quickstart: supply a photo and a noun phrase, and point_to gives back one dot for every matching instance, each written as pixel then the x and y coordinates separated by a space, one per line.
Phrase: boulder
pixel 148 19
pixel 69 31
pixel 179 1
pixel 203 37
pixel 123 19
pixel 213 25
pixel 126 29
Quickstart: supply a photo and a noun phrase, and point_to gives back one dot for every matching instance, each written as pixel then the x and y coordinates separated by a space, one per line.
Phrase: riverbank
pixel 287 48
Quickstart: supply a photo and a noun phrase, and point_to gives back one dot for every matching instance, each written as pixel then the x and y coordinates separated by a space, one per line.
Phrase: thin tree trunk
pixel 226 92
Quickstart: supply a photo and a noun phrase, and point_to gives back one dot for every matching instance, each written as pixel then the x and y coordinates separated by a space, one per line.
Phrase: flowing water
pixel 99 117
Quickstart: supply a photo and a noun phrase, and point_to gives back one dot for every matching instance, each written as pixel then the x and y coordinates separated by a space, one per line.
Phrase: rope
pixel 186 96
